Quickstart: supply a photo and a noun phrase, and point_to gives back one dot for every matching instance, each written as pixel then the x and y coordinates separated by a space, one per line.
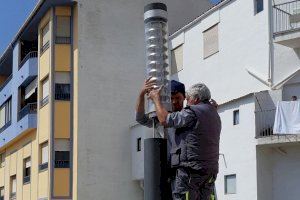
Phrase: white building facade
pixel 247 53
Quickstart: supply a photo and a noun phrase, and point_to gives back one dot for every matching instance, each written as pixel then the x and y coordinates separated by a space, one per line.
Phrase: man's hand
pixel 147 86
pixel 214 103
pixel 154 95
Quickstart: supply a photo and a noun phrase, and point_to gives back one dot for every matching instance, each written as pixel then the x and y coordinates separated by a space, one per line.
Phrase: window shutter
pixel 210 41
pixel 177 59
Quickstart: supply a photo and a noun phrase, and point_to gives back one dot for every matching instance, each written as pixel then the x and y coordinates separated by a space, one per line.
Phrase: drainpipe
pixel 271 44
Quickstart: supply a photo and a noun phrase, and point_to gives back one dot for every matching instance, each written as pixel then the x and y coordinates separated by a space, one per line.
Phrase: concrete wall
pixel 243 44
pixel 110 72
pixel 278 172
pixel 237 143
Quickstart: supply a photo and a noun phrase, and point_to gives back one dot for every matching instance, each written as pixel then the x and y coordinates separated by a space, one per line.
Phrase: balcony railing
pixel 26 179
pixel 13 196
pixel 286 17
pixel 62 92
pixel 62 164
pixel 28 109
pixel 6 81
pixel 43 166
pixel 264 122
pixel 63 40
pixel 32 54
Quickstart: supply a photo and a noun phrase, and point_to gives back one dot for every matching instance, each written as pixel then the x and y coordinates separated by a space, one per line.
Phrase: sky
pixel 13 15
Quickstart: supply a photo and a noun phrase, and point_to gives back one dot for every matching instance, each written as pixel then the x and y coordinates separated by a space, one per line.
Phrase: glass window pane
pixel 45 88
pixel 46 34
pixel 13 184
pixel 44 153
pixel 177 59
pixel 230 184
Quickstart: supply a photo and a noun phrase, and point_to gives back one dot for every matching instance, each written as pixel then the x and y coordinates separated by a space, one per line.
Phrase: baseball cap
pixel 177 86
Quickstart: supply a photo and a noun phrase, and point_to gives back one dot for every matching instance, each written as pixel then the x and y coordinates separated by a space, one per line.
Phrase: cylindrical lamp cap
pixel 155 6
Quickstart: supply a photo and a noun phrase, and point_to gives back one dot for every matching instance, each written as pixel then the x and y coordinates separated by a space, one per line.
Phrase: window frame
pixel 256 4
pixel 207 55
pixel 44 100
pixel 13 195
pixel 63 39
pixel 45 46
pixel 226 185
pixel 236 117
pixel 177 68
pixel 43 165
pixel 2 160
pixel 139 144
pixel 26 177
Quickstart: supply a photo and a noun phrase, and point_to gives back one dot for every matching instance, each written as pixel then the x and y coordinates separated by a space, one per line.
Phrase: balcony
pixel 264 130
pixel 30 55
pixel 287 23
pixel 30 108
pixel 6 82
pixel 28 69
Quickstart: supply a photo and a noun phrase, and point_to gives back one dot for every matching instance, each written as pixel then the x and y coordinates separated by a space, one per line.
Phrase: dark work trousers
pixel 193 185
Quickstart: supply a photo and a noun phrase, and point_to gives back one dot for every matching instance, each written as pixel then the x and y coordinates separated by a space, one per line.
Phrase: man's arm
pixel 140 116
pixel 180 119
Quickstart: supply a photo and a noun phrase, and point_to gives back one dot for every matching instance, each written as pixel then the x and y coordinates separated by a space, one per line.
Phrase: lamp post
pixel 157 66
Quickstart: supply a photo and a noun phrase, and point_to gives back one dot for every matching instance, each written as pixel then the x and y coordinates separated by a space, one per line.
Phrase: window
pixel 62 153
pixel 258 6
pixel 2 160
pixel 210 41
pixel 139 144
pixel 230 184
pixel 236 117
pixel 177 59
pixel 45 37
pixel 5 114
pixel 44 156
pixel 27 169
pixel 1 193
pixel 13 187
pixel 62 86
pixel 45 91
pixel 63 30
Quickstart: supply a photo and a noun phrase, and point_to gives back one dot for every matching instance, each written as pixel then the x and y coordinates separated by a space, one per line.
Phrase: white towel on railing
pixel 287 118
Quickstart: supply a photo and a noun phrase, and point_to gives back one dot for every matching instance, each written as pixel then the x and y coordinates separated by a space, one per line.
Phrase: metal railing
pixel 45 47
pixel 63 40
pixel 32 54
pixel 26 179
pixel 6 81
pixel 13 196
pixel 264 121
pixel 44 101
pixel 43 166
pixel 28 109
pixel 62 164
pixel 62 92
pixel 286 17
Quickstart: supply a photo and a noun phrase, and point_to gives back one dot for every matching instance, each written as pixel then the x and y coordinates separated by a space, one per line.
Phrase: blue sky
pixel 13 15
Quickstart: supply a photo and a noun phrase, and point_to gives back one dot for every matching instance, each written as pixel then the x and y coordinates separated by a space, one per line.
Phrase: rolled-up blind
pixel 210 41
pixel 30 89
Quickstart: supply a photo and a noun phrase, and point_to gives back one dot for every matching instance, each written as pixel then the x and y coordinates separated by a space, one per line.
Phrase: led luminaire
pixel 157 52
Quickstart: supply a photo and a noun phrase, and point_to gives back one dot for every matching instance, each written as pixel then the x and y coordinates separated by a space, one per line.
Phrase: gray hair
pixel 199 91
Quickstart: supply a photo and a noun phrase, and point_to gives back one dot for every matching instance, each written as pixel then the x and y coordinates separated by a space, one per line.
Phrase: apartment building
pixel 247 52
pixel 68 82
